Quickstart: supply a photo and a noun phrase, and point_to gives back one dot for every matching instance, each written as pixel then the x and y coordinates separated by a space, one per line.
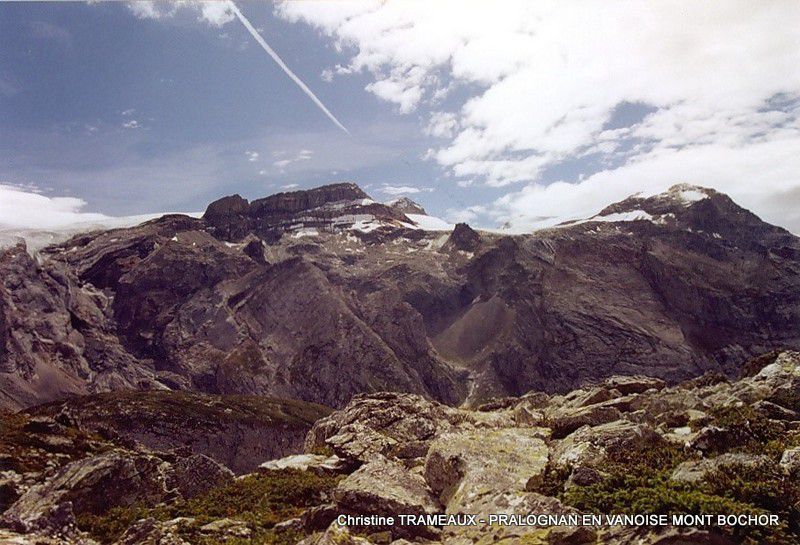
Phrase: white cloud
pixel 128 112
pixel 546 78
pixel 288 159
pixel 290 186
pixel 215 13
pixel 442 124
pixel 147 9
pixel 772 164
pixel 397 190
pixel 132 124
pixel 22 207
pixel 252 156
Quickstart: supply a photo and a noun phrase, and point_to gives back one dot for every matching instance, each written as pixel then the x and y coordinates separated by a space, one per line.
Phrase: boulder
pixel 463 466
pixel 91 485
pixel 197 474
pixel 790 462
pixel 583 476
pixel 693 471
pixel 335 535
pixel 714 439
pixel 566 421
pixel 385 487
pixel 8 537
pixel 152 532
pixel 502 502
pixel 377 424
pixel 775 411
pixel 590 446
pixel 634 384
pixel 226 528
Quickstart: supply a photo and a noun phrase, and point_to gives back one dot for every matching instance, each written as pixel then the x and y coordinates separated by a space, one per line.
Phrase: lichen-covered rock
pixel 152 532
pixel 226 528
pixel 634 384
pixel 694 471
pixel 790 462
pixel 590 445
pixel 196 474
pixel 565 421
pixel 668 535
pixel 462 466
pixel 385 487
pixel 378 424
pixel 335 535
pixel 8 537
pixel 90 485
pixel 505 502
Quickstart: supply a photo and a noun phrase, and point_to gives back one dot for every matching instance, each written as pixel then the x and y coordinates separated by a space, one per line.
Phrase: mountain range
pixel 323 294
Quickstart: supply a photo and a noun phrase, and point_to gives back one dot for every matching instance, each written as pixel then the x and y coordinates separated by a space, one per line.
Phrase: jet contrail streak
pixel 283 66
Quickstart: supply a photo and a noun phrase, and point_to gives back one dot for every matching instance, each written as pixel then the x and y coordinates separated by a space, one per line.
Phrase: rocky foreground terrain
pixel 626 444
pixel 323 294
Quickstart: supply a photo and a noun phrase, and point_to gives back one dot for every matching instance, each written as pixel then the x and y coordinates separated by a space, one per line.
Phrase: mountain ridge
pixel 324 294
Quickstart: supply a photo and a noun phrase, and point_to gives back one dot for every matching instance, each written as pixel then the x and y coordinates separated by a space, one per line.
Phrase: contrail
pixel 283 66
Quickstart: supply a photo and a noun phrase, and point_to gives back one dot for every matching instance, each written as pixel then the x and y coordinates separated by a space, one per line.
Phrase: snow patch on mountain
pixel 430 223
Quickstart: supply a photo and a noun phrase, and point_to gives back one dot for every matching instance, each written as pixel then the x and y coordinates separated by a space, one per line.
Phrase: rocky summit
pixel 324 294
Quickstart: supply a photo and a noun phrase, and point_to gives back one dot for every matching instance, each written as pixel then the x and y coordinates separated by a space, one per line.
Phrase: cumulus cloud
pixel 252 156
pixel 23 207
pixel 132 124
pixel 717 81
pixel 215 13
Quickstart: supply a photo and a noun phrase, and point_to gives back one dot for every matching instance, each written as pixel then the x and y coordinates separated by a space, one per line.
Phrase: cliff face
pixel 324 294
pixel 322 208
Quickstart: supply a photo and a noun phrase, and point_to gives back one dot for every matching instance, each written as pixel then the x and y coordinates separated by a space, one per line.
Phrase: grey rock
pixel 384 487
pixel 694 471
pixel 790 462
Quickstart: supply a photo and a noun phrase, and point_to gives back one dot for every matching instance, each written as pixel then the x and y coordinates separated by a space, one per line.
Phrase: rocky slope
pixel 323 294
pixel 626 444
pixel 239 432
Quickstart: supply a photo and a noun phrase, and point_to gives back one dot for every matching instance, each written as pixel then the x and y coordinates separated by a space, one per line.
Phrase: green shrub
pixel 260 500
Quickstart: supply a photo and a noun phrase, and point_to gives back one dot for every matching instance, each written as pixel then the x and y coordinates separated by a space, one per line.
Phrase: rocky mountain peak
pixel 464 238
pixel 326 208
pixel 307 199
pixel 404 205
pixel 675 200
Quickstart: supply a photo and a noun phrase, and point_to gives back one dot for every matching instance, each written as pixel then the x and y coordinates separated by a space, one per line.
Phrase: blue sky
pixel 497 116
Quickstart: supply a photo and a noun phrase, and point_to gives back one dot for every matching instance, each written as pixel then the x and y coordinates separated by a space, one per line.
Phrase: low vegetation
pixel 638 481
pixel 24 448
pixel 260 501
